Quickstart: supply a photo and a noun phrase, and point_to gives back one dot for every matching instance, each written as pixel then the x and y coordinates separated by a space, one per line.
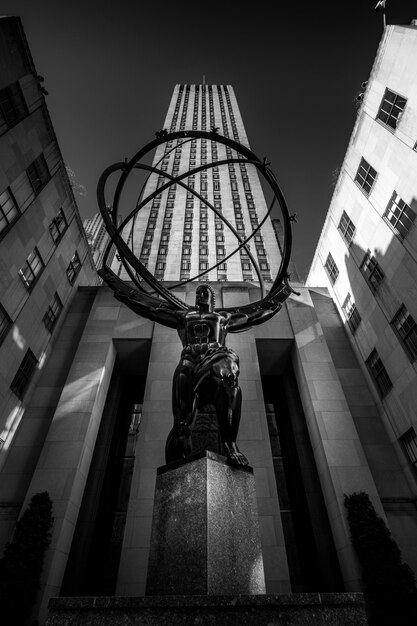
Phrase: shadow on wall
pixel 382 291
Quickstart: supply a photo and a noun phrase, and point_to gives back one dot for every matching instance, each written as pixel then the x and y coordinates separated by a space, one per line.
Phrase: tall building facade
pixel 101 408
pixel 98 238
pixel 44 257
pixel 367 258
pixel 182 243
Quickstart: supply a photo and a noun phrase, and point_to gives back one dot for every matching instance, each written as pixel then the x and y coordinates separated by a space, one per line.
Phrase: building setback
pixel 367 258
pixel 311 426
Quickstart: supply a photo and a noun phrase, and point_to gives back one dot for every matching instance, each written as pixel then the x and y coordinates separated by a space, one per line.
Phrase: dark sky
pixel 296 67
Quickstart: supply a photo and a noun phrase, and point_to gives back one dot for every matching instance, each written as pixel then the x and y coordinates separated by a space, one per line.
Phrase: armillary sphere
pixel 138 273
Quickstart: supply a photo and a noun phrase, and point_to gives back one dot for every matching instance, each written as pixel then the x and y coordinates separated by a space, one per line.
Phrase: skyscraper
pixel 177 236
pixel 98 238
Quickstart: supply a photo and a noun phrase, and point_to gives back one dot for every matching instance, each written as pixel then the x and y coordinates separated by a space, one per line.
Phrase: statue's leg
pixel 228 403
pixel 178 445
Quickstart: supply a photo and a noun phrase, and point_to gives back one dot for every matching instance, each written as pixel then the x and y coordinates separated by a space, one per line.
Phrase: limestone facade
pixel 43 258
pixel 367 259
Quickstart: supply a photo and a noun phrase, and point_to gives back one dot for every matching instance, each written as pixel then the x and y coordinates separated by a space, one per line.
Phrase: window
pixel 365 176
pixel 203 265
pixel 331 268
pixel 220 237
pixel 264 266
pixel 38 173
pixel 160 266
pixel 12 104
pixel 372 270
pixel 24 374
pixel 220 251
pixel 5 323
pixel 58 226
pixel 204 251
pixel 186 265
pixel 409 443
pixel 406 329
pixel 352 313
pixel 186 251
pixel 379 373
pixel 8 210
pixel 246 267
pixel 163 251
pixel 51 316
pixel 347 228
pixel 73 268
pixel 399 215
pixel 391 109
pixel 31 269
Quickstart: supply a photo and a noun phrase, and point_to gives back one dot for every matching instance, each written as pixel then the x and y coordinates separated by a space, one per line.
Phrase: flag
pixel 381 5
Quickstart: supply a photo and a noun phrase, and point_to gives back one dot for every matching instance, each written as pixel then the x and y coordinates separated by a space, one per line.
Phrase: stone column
pixel 338 452
pixel 65 459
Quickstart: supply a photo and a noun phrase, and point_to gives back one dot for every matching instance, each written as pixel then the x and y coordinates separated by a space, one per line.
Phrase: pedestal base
pixel 298 609
pixel 205 535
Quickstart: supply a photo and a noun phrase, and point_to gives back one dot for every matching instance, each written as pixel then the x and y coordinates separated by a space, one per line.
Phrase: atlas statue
pixel 208 370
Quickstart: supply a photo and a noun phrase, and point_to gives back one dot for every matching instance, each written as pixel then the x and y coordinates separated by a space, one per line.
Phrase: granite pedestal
pixel 205 536
pixel 206 563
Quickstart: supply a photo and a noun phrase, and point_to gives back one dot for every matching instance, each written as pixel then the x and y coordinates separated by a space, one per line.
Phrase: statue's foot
pixel 234 455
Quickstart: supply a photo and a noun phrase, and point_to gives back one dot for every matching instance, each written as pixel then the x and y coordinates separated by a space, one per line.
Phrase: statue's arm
pixel 140 302
pixel 242 321
pixel 157 313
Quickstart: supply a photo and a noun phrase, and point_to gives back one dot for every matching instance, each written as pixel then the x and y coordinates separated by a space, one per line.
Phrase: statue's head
pixel 204 298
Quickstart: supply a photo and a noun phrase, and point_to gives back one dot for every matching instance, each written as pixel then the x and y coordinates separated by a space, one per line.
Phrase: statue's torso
pixel 201 331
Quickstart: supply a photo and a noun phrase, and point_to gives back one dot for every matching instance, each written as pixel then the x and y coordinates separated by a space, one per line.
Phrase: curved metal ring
pixel 130 261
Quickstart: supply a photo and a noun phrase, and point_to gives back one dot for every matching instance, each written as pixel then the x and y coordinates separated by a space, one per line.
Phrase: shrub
pixel 389 584
pixel 21 565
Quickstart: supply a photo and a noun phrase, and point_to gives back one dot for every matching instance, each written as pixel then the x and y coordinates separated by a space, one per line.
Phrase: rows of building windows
pixel 38 175
pixel 231 114
pixel 400 218
pixel 398 215
pixel 29 362
pixel 391 108
pixel 13 106
pixel 176 109
pixel 352 314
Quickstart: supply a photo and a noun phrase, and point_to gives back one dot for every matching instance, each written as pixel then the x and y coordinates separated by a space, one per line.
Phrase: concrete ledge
pixel 298 609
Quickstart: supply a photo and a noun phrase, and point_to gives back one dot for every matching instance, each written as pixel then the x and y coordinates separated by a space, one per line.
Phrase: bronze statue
pixel 208 370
